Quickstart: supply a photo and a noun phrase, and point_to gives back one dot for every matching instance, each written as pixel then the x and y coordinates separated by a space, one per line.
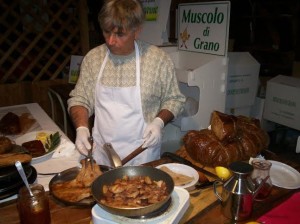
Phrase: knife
pixel 181 160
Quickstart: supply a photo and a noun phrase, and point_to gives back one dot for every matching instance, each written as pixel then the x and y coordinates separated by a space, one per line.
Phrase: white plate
pixel 282 175
pixel 32 136
pixel 185 170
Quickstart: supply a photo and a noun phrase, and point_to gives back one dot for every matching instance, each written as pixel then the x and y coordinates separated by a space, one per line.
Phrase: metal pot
pixel 131 171
pixel 238 192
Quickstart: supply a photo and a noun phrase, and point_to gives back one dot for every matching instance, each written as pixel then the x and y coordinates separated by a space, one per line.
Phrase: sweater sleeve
pixel 84 91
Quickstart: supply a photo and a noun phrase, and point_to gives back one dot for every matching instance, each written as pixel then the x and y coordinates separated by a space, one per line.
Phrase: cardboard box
pixel 245 111
pixel 242 80
pixel 282 104
pixel 203 78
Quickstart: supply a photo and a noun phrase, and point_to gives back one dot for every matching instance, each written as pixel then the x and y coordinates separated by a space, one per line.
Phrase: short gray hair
pixel 121 14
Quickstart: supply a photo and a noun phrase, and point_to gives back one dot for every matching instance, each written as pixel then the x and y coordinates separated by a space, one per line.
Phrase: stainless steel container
pixel 238 192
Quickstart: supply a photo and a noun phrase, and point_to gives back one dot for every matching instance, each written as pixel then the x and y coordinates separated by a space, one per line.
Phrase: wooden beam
pixel 84 26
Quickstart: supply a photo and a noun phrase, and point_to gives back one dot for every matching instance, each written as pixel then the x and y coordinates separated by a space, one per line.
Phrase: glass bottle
pixel 261 170
pixel 33 209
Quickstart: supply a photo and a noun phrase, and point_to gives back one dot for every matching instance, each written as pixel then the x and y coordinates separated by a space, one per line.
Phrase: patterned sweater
pixel 159 86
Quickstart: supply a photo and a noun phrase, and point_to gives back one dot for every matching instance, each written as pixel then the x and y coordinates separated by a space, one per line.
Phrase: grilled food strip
pixel 9 159
pixel 80 187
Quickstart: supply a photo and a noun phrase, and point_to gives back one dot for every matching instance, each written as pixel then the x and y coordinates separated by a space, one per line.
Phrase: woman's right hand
pixel 82 140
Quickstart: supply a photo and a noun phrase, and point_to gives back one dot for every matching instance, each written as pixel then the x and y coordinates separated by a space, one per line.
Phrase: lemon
pixel 222 172
pixel 42 136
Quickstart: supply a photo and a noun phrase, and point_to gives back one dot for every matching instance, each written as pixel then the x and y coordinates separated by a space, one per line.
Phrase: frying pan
pixel 68 175
pixel 131 171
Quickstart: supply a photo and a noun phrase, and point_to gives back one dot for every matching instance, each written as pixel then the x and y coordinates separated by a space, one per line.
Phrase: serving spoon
pixel 20 169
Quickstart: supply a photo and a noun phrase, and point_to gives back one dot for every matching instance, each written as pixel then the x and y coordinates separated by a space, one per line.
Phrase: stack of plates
pixel 11 182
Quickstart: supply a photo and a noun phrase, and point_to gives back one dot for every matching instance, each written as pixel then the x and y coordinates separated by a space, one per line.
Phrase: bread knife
pixel 181 160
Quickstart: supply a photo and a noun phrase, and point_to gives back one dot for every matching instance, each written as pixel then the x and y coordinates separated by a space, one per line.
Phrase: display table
pixel 203 207
pixel 44 122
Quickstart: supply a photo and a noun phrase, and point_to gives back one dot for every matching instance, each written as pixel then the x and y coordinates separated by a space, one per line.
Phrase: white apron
pixel 119 120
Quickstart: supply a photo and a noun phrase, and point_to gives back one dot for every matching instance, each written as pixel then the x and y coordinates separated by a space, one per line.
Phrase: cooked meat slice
pixel 78 188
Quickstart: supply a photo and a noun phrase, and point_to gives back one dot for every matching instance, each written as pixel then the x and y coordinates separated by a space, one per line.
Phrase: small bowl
pixel 185 170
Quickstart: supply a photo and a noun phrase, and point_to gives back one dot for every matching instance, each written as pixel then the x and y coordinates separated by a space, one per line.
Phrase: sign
pixel 74 68
pixel 204 27
pixel 155 30
pixel 151 9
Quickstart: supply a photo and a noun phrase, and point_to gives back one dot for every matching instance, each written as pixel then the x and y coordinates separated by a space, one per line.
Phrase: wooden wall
pixel 36 43
pixel 28 92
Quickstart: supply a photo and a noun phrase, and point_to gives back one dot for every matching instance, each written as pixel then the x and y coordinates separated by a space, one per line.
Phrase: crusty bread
pixel 216 147
pixel 223 126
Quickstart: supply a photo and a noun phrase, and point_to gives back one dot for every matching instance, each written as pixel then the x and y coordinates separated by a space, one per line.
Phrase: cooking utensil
pixel 68 175
pixel 115 158
pixel 132 155
pixel 179 159
pixel 204 185
pixel 47 174
pixel 90 152
pixel 23 176
pixel 112 155
pixel 131 171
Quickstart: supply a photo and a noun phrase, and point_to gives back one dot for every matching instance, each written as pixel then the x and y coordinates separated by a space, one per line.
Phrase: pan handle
pixel 112 155
pixel 135 152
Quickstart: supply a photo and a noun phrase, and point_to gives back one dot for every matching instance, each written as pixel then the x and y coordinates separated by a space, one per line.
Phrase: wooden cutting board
pixel 203 199
pixel 200 202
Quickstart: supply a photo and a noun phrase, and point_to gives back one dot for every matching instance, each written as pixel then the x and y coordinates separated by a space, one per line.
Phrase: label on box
pixel 282 104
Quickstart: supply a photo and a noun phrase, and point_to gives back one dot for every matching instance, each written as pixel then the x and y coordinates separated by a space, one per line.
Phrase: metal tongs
pixel 112 155
pixel 90 152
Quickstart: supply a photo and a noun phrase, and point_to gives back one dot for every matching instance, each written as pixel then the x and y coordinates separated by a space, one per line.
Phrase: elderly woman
pixel 129 85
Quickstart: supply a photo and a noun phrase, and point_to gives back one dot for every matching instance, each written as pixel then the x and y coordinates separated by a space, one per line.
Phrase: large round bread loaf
pixel 229 139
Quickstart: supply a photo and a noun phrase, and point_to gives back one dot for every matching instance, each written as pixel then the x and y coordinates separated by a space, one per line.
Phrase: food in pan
pixel 79 188
pixel 10 124
pixel 132 192
pixel 231 138
pixel 178 178
pixel 5 144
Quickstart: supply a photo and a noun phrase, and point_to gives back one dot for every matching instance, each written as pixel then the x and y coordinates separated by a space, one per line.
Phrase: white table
pixel 44 122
